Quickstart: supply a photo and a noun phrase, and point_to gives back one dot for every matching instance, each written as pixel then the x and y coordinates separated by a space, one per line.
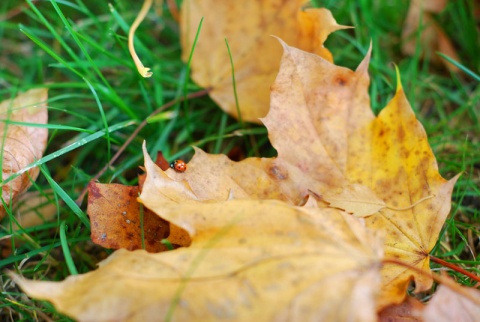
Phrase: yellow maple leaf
pixel 342 143
pixel 249 259
pixel 248 26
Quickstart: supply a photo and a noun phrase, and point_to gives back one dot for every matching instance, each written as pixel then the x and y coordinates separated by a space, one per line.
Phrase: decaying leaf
pixel 407 311
pixel 117 222
pixel 249 259
pixel 34 208
pixel 248 26
pixel 447 305
pixel 22 144
pixel 431 38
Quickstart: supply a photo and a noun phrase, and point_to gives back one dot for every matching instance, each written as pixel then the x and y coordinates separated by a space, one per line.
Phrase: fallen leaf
pixel 447 305
pixel 249 260
pixel 248 26
pixel 327 138
pixel 22 144
pixel 431 37
pixel 31 209
pixel 34 208
pixel 116 220
pixel 407 311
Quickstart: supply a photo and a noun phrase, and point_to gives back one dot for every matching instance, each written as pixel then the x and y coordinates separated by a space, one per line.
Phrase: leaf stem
pixel 411 206
pixel 455 268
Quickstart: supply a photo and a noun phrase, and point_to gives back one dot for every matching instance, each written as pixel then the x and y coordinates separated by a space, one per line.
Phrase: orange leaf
pixel 22 144
pixel 116 223
pixel 407 311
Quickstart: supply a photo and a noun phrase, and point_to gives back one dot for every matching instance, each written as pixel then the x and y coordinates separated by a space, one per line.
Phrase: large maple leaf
pixel 342 143
pixel 261 259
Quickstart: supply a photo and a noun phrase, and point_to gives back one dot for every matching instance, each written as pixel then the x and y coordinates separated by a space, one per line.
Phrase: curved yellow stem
pixel 144 71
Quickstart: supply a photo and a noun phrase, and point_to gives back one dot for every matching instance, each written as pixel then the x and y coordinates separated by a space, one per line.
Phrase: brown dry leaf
pixel 248 27
pixel 432 37
pixel 115 217
pixel 22 144
pixel 34 208
pixel 447 305
pixel 407 311
pixel 249 260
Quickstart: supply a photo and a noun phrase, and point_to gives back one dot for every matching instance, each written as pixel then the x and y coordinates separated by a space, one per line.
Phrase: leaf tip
pixel 363 66
pixel 146 156
pixel 280 40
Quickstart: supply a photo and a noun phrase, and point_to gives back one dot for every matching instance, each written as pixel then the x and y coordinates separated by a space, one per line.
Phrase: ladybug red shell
pixel 178 165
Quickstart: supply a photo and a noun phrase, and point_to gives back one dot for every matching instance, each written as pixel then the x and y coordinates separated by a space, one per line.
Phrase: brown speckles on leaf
pixel 115 215
pixel 401 134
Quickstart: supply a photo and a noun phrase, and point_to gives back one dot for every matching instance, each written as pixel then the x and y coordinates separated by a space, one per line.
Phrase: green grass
pixel 97 100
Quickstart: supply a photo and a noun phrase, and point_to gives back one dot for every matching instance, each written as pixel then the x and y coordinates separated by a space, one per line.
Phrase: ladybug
pixel 178 165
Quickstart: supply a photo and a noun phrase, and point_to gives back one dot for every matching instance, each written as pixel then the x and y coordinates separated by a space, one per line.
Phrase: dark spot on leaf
pixel 340 80
pixel 93 190
pixel 278 173
pixel 401 133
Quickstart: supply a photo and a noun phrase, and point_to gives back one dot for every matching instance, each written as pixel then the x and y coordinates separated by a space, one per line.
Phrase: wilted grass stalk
pixel 144 71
